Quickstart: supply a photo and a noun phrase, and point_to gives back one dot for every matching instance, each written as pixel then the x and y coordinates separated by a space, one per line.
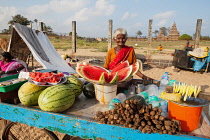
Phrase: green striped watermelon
pixel 29 93
pixel 75 84
pixel 76 89
pixel 73 79
pixel 56 98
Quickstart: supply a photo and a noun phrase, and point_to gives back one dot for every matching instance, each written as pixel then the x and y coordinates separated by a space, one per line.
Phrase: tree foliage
pixel 165 30
pixel 207 38
pixel 24 21
pixel 47 28
pixel 5 31
pixel 185 37
pixel 20 19
pixel 156 32
pixel 35 20
pixel 138 33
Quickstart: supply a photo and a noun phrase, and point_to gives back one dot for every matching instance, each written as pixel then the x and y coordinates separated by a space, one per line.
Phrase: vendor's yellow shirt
pixel 111 56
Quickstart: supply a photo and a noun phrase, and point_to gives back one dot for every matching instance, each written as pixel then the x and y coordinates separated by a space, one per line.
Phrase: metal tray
pixel 63 80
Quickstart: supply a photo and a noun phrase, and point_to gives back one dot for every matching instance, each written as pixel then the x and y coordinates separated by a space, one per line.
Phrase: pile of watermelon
pixel 99 75
pixel 56 98
pixel 46 77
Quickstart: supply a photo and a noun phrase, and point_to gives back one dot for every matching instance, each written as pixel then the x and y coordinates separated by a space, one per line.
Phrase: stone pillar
pixel 198 33
pixel 109 35
pixel 73 36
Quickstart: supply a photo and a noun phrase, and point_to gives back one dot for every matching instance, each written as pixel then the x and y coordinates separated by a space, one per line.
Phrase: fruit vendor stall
pixel 55 102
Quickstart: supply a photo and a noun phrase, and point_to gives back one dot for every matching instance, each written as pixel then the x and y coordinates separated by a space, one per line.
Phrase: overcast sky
pixel 92 16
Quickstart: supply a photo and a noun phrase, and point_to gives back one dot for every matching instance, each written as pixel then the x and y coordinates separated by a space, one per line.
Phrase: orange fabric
pixel 160 48
pixel 111 56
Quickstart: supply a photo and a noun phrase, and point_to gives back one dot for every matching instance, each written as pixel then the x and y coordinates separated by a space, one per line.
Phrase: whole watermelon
pixel 75 84
pixel 29 93
pixel 56 98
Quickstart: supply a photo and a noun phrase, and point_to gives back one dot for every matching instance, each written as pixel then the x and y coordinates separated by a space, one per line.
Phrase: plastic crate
pixel 12 86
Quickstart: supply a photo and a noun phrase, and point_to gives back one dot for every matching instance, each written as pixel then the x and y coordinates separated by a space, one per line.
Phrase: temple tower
pixel 173 34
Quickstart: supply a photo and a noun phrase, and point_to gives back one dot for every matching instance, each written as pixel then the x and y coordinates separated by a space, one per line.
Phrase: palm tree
pixel 35 20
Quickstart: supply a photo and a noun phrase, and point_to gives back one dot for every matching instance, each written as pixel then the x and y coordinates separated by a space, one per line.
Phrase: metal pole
pixel 110 35
pixel 150 36
pixel 198 33
pixel 74 36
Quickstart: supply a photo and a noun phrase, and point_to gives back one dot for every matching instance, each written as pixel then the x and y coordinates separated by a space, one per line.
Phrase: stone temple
pixel 173 34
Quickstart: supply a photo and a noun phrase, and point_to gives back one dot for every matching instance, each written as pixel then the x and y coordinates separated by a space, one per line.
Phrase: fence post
pixel 198 33
pixel 110 35
pixel 73 36
pixel 31 25
pixel 41 26
pixel 150 36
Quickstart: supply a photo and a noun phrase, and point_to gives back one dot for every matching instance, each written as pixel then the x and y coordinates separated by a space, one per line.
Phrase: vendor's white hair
pixel 120 31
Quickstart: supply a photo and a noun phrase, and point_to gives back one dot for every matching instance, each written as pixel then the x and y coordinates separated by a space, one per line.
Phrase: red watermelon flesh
pixel 106 77
pixel 125 73
pixel 101 68
pixel 78 68
pixel 135 68
pixel 120 66
pixel 91 73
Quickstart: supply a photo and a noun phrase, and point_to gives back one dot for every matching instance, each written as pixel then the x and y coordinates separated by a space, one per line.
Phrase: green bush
pixel 185 37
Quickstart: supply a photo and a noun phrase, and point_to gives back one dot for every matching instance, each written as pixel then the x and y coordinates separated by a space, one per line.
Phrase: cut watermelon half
pixel 120 66
pixel 93 74
pixel 135 68
pixel 125 73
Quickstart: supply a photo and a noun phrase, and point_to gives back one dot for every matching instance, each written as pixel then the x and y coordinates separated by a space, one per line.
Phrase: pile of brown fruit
pixel 145 118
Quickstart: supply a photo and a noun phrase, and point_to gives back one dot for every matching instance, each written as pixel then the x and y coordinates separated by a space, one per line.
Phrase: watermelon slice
pixel 78 71
pixel 120 66
pixel 125 73
pixel 102 79
pixel 93 74
pixel 113 77
pixel 135 68
pixel 106 78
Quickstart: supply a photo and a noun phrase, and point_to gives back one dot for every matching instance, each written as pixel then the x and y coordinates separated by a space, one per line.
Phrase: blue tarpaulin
pixel 198 65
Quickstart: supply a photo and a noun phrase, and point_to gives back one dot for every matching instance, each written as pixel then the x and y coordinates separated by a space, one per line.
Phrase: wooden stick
pixel 207 67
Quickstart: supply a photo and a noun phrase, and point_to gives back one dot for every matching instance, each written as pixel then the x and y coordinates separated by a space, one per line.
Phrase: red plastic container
pixel 187 115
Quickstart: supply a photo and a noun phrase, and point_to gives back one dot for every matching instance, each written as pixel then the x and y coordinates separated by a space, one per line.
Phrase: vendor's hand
pixel 148 79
